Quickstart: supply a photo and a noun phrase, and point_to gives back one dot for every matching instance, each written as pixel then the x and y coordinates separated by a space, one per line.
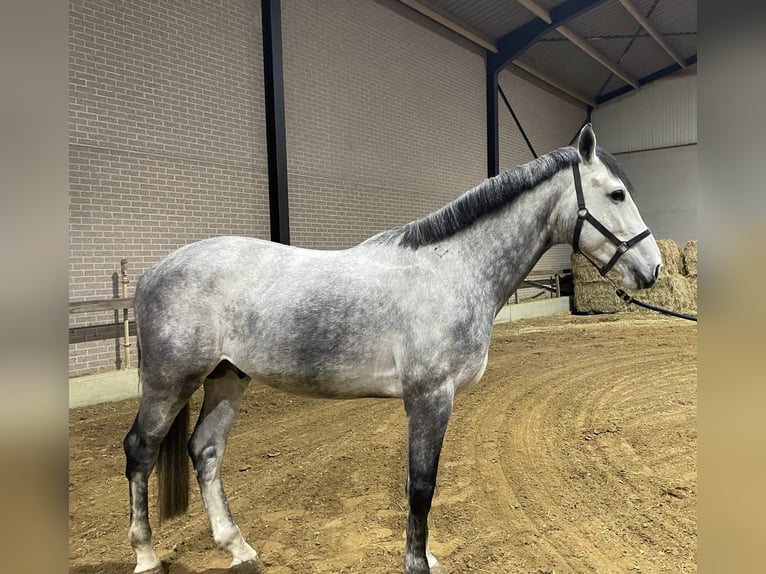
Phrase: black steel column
pixel 510 47
pixel 493 125
pixel 276 139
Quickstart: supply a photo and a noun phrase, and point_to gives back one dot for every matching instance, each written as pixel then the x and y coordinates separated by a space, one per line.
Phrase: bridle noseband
pixel 584 215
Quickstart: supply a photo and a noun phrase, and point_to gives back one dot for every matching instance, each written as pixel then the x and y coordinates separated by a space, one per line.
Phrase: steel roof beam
pixel 515 43
pixel 449 23
pixel 489 46
pixel 579 41
pixel 509 48
pixel 588 48
pixel 672 69
pixel 647 25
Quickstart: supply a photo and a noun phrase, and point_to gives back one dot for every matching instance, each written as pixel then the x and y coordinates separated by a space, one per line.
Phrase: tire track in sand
pixel 562 473
pixel 574 454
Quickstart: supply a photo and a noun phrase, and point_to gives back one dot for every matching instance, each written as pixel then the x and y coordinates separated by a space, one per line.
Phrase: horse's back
pixel 330 323
pixel 275 311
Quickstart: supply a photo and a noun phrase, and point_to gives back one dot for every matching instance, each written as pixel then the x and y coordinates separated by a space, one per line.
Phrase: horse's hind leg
pixel 156 415
pixel 427 418
pixel 222 399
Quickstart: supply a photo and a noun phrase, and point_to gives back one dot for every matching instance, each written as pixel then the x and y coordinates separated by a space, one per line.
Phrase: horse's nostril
pixel 657 271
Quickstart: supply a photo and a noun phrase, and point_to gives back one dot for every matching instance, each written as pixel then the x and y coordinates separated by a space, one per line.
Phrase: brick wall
pixel 167 141
pixel 385 118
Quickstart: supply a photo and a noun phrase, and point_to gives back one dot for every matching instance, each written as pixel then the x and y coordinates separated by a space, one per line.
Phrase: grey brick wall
pixel 167 141
pixel 385 119
pixel 385 123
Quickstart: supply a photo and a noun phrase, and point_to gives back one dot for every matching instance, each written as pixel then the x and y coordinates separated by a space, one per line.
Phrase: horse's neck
pixel 502 248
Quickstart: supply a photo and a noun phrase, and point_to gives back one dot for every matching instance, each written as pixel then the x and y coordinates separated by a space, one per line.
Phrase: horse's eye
pixel 617 195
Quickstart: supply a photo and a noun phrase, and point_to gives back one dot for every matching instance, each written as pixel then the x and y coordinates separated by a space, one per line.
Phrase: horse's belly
pixel 335 385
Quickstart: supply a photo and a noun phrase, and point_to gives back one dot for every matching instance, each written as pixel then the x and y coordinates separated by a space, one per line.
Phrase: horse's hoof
pixel 438 569
pixel 249 567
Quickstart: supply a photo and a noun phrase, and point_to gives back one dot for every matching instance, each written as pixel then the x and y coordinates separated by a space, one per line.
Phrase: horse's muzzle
pixel 642 282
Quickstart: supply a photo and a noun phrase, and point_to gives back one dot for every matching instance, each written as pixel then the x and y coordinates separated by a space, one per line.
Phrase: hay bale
pixel 584 272
pixel 672 257
pixel 690 258
pixel 671 292
pixel 596 297
pixel 692 282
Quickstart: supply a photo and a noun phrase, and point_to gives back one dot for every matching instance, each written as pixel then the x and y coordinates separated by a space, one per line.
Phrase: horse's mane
pixel 488 197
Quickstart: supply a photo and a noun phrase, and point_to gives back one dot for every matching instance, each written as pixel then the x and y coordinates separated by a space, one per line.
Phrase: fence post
pixel 126 314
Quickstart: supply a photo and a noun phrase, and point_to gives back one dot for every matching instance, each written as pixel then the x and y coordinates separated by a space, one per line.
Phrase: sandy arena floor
pixel 576 453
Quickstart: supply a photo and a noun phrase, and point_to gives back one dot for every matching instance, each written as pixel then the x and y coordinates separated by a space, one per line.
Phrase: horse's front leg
pixel 428 412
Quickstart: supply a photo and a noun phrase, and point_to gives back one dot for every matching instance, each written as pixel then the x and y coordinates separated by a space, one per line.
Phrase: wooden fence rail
pixel 96 332
pixel 100 305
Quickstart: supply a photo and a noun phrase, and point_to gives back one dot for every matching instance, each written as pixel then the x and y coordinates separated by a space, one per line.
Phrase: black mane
pixel 488 197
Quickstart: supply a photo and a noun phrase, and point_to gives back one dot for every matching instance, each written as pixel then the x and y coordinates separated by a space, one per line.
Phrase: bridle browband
pixel 584 215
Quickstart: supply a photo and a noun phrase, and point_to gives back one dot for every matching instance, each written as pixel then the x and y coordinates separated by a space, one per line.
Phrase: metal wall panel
pixel 661 114
pixel 667 189
pixel 653 131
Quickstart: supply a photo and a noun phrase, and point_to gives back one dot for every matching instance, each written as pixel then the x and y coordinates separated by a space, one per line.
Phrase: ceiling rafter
pixel 516 42
pixel 522 64
pixel 580 42
pixel 647 25
pixel 461 30
pixel 451 24
pixel 509 48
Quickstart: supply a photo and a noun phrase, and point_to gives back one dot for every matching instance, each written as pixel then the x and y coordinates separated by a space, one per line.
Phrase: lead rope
pixel 630 299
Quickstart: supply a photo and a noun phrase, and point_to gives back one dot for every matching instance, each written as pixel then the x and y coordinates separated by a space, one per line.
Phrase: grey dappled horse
pixel 407 313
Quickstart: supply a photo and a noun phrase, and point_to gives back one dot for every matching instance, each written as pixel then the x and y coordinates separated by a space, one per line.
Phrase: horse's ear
pixel 586 143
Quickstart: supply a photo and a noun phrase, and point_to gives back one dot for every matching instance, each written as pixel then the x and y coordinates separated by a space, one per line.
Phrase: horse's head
pixel 609 229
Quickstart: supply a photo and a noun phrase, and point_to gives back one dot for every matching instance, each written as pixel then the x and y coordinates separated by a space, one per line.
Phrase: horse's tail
pixel 173 469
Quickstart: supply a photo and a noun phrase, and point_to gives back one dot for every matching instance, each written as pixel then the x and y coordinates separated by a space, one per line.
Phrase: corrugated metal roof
pixel 608 27
pixel 608 18
pixel 491 18
pixel 671 15
pixel 549 4
pixel 646 57
pixel 567 62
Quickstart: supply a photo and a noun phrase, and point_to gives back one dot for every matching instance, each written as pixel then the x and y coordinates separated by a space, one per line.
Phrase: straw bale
pixel 690 258
pixel 672 263
pixel 692 281
pixel 671 292
pixel 584 272
pixel 672 257
pixel 596 297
